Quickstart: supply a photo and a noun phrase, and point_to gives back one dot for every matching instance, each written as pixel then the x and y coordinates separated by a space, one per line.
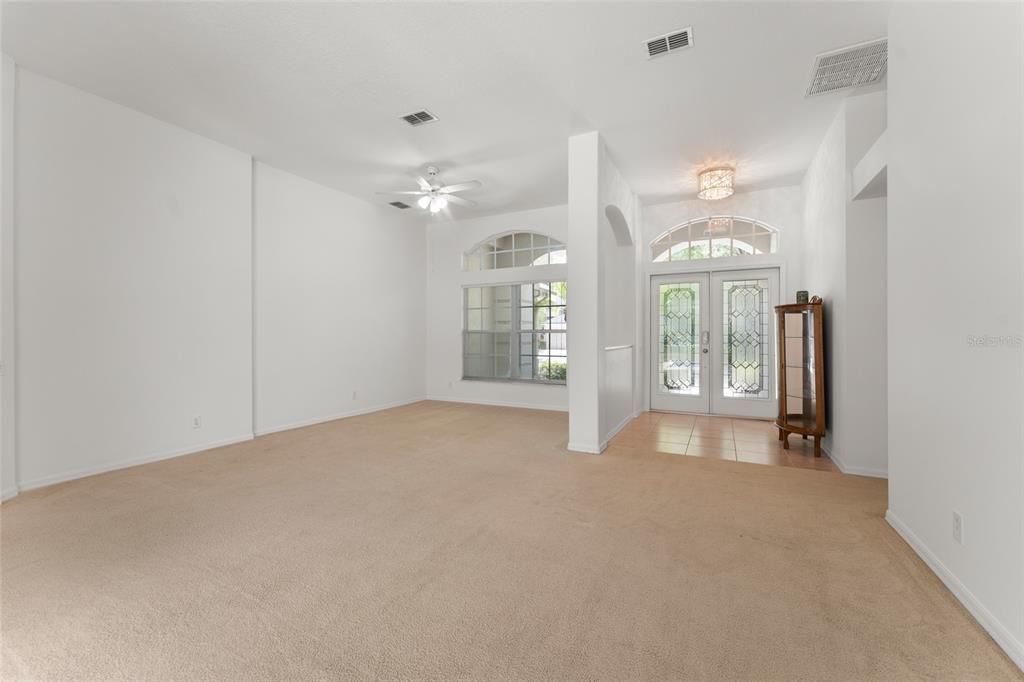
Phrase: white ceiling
pixel 318 88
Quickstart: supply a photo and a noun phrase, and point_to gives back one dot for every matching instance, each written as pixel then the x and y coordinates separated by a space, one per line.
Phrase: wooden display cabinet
pixel 801 372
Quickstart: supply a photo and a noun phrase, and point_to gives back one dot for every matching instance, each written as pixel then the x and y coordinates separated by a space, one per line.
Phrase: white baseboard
pixel 499 403
pixel 611 434
pixel 125 463
pixel 1002 636
pixel 589 449
pixel 8 493
pixel 334 417
pixel 855 470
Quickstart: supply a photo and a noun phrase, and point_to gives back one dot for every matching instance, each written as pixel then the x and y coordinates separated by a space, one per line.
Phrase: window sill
pixel 531 382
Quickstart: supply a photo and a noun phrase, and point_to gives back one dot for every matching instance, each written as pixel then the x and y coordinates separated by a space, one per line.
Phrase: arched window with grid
pixel 714 237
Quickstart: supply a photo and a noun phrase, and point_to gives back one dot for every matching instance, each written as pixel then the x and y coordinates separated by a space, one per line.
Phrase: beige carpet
pixel 443 541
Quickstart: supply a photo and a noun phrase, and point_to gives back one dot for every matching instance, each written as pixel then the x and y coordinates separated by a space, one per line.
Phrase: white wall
pixel 617 286
pixel 824 249
pixel 864 447
pixel 339 303
pixel 8 462
pixel 133 286
pixel 135 292
pixel 865 439
pixel 447 241
pixel 956 432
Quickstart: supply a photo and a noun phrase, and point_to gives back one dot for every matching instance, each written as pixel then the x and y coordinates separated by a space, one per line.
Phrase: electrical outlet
pixel 450 385
pixel 355 394
pixel 197 422
pixel 958 527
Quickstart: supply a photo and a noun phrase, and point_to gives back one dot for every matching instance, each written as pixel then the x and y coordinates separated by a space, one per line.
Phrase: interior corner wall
pixel 865 123
pixel 844 262
pixel 447 241
pixel 8 464
pixel 865 442
pixel 864 447
pixel 133 288
pixel 824 269
pixel 956 301
pixel 339 303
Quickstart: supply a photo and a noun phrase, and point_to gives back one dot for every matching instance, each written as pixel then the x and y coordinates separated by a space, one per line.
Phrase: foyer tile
pixel 745 440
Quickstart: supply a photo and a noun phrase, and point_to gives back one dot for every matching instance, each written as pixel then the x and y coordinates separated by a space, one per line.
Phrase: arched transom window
pixel 714 237
pixel 515 250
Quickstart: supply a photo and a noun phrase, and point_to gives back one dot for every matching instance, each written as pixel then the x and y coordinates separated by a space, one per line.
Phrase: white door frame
pixel 712 266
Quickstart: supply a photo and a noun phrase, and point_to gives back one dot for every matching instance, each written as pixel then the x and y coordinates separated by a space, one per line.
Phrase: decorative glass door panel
pixel 680 335
pixel 745 350
pixel 745 337
pixel 713 342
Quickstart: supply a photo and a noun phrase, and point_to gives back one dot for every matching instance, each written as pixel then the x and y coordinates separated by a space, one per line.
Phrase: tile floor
pixel 744 440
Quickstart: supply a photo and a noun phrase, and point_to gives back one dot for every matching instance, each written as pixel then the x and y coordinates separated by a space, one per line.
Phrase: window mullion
pixel 513 346
pixel 485 329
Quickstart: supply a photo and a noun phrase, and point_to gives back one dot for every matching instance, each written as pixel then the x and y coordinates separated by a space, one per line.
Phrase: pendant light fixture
pixel 715 183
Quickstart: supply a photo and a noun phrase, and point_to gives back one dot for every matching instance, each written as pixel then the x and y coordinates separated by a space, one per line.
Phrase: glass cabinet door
pixel 801 401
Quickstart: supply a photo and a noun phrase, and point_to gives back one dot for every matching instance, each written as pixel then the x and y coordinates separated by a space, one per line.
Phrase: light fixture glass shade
pixel 424 202
pixel 442 203
pixel 715 183
pixel 718 225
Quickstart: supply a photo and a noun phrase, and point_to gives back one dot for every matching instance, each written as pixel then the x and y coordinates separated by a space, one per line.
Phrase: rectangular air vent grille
pixel 399 204
pixel 670 42
pixel 419 118
pixel 849 67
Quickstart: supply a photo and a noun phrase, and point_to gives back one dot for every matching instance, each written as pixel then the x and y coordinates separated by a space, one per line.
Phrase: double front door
pixel 713 342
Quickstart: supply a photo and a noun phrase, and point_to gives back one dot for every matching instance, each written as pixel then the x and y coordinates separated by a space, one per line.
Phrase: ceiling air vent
pixel 670 42
pixel 399 204
pixel 849 67
pixel 419 118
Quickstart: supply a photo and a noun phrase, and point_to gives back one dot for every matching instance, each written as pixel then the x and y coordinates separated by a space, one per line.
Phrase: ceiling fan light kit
pixel 435 197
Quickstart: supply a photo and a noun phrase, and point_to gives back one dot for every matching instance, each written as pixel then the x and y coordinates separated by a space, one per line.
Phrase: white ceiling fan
pixel 434 196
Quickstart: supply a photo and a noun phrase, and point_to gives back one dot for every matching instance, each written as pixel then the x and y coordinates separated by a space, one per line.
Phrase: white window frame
pixel 514 332
pixel 539 244
pixel 771 231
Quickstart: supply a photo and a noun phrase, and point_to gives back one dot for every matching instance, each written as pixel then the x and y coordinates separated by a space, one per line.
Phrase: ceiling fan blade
pixel 416 193
pixel 459 187
pixel 424 185
pixel 459 201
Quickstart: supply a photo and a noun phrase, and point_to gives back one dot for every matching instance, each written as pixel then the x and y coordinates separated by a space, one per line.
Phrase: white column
pixel 584 320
